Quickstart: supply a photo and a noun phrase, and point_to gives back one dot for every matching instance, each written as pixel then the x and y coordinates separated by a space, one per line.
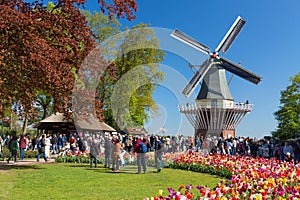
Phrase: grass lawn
pixel 77 181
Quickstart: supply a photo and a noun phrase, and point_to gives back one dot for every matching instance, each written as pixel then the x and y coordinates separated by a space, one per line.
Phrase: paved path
pixel 28 162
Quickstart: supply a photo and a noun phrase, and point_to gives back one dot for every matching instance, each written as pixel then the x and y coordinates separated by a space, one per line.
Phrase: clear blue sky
pixel 268 45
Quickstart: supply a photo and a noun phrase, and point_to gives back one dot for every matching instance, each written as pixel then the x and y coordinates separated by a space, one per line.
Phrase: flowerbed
pixel 78 157
pixel 247 178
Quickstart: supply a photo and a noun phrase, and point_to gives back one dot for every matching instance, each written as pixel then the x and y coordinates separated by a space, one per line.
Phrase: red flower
pixel 180 187
pixel 189 196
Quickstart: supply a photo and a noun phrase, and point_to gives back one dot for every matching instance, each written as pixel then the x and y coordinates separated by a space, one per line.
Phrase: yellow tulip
pixel 160 192
pixel 258 197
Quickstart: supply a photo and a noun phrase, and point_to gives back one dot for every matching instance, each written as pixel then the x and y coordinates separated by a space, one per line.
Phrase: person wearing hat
pixel 94 152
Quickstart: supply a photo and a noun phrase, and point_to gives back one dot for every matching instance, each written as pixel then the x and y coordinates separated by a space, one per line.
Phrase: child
pixel 123 161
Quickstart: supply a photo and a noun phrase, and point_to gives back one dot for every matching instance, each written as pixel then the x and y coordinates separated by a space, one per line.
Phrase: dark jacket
pixel 94 150
pixel 43 144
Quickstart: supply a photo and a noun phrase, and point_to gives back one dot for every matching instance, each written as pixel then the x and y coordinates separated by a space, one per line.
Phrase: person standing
pixel 94 153
pixel 116 151
pixel 60 142
pixel 22 145
pixel 1 147
pixel 288 149
pixel 140 149
pixel 41 148
pixel 48 145
pixel 14 147
pixel 107 151
pixel 158 148
pixel 33 143
pixel 54 144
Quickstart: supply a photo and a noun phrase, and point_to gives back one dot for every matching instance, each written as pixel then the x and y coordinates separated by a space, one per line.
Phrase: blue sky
pixel 268 45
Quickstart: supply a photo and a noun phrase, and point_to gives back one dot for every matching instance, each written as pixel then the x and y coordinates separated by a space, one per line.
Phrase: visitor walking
pixel 14 147
pixel 48 145
pixel 1 147
pixel 107 151
pixel 22 145
pixel 140 149
pixel 54 141
pixel 158 148
pixel 116 151
pixel 41 148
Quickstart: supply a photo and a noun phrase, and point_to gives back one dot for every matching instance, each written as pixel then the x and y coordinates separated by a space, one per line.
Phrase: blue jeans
pixel 116 164
pixel 107 159
pixel 59 147
pixel 44 155
pixel 54 148
pixel 141 161
pixel 22 153
pixel 233 151
pixel 158 160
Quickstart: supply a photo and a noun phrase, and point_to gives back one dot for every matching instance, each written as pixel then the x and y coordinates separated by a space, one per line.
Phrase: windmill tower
pixel 215 113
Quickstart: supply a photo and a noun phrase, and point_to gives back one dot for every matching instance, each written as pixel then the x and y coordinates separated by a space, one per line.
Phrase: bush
pixel 74 159
pixel 222 172
pixel 28 154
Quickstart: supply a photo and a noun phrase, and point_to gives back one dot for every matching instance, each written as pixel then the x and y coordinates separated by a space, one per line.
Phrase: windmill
pixel 215 111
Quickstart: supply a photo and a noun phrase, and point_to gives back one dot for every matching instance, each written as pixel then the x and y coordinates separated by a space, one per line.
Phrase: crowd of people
pixel 267 147
pixel 116 146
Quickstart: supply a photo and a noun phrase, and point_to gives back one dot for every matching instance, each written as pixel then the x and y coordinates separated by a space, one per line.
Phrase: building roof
pixel 135 131
pixel 58 120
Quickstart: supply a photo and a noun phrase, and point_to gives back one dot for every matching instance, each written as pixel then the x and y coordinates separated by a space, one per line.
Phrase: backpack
pixel 160 145
pixel 15 145
pixel 143 148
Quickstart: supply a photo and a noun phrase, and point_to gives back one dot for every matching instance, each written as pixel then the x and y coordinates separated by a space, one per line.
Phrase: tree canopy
pixel 126 96
pixel 288 114
pixel 43 46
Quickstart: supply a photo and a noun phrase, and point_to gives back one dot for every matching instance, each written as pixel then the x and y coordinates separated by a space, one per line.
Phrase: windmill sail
pixel 231 35
pixel 239 71
pixel 198 76
pixel 190 41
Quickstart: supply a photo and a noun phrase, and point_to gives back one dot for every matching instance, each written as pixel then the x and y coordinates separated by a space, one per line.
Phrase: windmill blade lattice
pixel 190 41
pixel 198 76
pixel 231 35
pixel 240 71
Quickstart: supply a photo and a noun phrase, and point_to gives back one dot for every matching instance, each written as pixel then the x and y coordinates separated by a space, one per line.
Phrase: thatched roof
pixel 135 131
pixel 58 120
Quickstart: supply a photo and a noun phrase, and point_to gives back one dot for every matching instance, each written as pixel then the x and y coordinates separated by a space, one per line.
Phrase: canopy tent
pixel 58 121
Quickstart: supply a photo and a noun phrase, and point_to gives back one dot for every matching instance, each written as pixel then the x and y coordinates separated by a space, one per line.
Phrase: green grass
pixel 77 181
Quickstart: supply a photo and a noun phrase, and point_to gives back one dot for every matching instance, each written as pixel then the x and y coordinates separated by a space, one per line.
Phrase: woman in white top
pixel 47 147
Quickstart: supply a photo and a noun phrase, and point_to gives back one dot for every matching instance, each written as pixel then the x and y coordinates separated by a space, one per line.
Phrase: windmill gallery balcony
pixel 215 117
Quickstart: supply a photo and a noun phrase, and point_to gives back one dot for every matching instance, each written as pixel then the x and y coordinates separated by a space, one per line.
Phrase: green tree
pixel 288 115
pixel 137 75
pixel 131 104
pixel 44 104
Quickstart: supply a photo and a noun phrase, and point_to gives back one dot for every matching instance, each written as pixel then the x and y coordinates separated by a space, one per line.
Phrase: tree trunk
pixel 45 112
pixel 24 128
